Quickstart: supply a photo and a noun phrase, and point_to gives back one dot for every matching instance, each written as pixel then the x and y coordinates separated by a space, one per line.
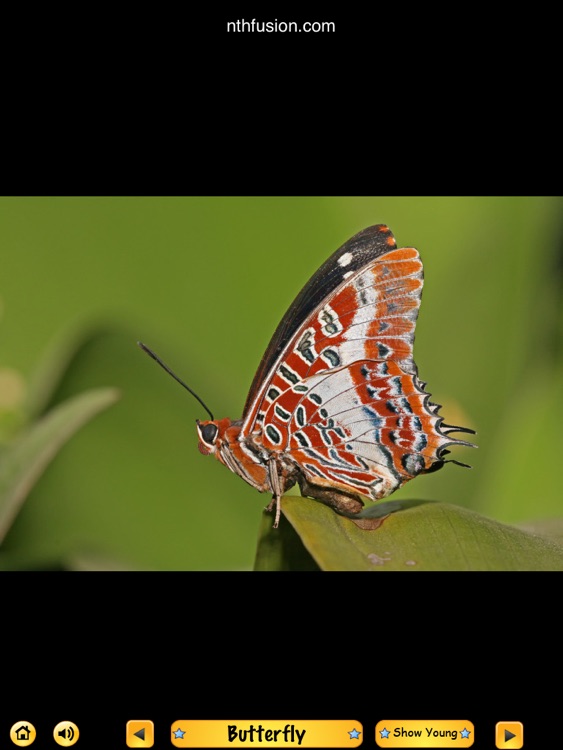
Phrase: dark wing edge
pixel 357 252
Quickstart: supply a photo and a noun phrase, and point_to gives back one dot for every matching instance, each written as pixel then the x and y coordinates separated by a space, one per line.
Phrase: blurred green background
pixel 204 281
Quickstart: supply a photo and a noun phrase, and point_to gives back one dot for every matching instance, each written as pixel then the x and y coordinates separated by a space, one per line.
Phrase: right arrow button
pixel 509 735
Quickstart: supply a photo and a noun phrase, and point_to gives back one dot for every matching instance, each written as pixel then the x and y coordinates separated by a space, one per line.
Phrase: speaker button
pixel 66 733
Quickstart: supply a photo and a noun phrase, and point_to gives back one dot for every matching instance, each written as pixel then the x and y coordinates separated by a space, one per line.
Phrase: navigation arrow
pixel 141 734
pixel 508 735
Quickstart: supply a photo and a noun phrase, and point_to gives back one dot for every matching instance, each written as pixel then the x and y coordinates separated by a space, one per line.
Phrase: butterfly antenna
pixel 173 374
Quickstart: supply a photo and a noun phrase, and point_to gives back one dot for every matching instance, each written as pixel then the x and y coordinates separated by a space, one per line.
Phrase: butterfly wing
pixel 337 392
pixel 358 252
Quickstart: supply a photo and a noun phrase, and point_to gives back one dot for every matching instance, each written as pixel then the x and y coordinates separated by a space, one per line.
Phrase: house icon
pixel 23 732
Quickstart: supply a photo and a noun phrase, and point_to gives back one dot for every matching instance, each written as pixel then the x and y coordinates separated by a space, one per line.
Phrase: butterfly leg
pixel 275 501
pixel 276 490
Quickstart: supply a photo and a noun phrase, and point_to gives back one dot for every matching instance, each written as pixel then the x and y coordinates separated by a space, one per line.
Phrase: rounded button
pixel 22 733
pixel 66 733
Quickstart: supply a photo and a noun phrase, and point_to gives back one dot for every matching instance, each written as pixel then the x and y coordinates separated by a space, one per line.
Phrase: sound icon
pixel 66 733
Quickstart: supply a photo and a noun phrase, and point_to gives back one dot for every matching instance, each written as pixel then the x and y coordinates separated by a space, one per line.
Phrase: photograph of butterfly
pixel 336 405
pixel 292 320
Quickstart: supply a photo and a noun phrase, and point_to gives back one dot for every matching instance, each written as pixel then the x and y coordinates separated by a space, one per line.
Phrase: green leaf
pixel 281 548
pixel 54 365
pixel 551 528
pixel 416 535
pixel 26 458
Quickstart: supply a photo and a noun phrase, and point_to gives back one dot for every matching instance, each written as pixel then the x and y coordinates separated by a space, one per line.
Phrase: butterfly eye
pixel 208 433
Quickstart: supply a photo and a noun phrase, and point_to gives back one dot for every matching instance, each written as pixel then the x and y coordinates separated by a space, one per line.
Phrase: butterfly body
pixel 336 404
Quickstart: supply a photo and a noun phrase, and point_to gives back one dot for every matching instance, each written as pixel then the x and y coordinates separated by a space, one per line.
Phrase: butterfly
pixel 336 405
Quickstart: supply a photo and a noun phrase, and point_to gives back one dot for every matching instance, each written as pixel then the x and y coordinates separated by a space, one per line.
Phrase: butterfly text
pixel 289 734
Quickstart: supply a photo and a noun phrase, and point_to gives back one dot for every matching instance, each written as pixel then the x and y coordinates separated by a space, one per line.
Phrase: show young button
pixel 258 732
pixel 424 733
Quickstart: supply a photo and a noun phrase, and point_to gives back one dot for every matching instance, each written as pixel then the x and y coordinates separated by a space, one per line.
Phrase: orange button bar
pixel 424 733
pixel 250 733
